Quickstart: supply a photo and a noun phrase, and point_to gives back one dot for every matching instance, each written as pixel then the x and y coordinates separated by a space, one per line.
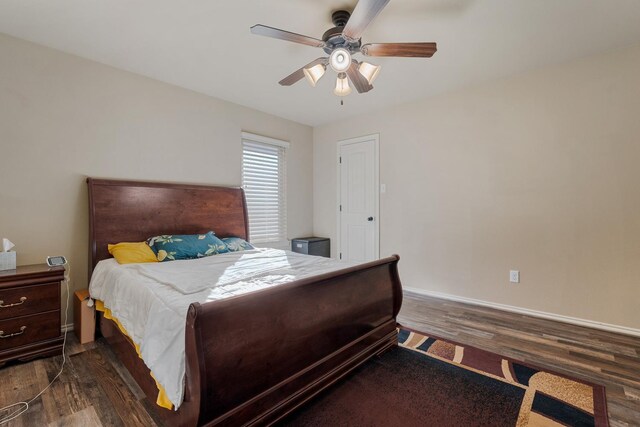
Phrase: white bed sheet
pixel 151 300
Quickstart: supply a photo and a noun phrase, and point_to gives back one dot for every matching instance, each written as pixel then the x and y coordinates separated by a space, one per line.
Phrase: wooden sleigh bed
pixel 251 359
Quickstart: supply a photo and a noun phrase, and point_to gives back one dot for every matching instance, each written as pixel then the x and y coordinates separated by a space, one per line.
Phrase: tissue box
pixel 7 261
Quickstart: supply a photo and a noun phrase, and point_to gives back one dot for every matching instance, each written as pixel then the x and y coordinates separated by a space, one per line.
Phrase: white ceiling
pixel 206 46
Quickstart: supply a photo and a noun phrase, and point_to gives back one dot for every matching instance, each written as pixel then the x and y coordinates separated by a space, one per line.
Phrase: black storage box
pixel 312 246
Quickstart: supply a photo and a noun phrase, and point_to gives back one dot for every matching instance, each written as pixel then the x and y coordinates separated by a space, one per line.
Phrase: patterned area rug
pixel 549 399
pixel 427 381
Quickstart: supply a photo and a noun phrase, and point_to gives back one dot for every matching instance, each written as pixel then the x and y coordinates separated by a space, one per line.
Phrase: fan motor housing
pixel 340 17
pixel 333 36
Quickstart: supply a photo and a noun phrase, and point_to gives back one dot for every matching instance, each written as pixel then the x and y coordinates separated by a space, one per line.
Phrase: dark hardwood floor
pixel 95 389
pixel 606 358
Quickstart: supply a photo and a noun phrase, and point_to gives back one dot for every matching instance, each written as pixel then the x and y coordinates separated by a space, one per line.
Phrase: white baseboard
pixel 67 328
pixel 534 313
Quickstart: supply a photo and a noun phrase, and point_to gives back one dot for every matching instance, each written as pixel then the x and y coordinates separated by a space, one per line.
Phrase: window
pixel 264 181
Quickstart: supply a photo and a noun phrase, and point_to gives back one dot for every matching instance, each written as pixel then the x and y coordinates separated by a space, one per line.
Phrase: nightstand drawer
pixel 29 329
pixel 26 300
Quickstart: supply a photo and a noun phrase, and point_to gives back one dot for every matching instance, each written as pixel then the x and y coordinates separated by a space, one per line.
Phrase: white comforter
pixel 151 300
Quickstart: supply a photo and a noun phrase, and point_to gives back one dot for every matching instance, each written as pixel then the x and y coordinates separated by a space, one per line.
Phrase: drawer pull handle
pixel 22 300
pixel 22 329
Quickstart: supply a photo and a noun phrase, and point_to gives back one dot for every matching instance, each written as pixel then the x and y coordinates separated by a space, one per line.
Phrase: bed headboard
pixel 132 211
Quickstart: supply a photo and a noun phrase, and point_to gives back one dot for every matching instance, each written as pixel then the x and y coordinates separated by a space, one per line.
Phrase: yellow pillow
pixel 129 253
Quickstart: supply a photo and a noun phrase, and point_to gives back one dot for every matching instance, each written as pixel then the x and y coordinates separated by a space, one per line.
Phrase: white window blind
pixel 264 181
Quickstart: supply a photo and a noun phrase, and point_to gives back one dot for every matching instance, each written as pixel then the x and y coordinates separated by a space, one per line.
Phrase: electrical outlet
pixel 514 276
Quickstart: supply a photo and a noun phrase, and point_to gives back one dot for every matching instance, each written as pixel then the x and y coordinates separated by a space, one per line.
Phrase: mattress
pixel 150 301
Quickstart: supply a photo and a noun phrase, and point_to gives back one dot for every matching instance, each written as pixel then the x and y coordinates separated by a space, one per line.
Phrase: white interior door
pixel 358 204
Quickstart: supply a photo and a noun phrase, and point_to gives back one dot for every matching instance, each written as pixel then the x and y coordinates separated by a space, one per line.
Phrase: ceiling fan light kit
pixel 314 73
pixel 342 85
pixel 340 60
pixel 341 43
pixel 369 71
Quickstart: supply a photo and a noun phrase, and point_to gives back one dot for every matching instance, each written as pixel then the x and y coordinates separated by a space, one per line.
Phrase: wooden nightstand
pixel 30 312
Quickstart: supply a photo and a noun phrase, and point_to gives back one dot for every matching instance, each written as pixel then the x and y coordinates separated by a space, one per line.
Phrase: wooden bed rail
pixel 253 360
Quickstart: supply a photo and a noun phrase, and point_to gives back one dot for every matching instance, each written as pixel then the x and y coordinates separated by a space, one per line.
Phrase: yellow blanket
pixel 162 399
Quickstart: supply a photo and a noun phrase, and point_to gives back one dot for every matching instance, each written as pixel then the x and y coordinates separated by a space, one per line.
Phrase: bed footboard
pixel 261 355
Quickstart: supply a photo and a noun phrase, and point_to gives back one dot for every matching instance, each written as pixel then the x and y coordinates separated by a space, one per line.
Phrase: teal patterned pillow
pixel 235 244
pixel 186 246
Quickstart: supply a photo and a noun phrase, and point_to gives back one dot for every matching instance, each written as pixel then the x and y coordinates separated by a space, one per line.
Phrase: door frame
pixel 376 193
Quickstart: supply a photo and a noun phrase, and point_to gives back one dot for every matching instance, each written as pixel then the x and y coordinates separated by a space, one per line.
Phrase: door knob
pixel 370 218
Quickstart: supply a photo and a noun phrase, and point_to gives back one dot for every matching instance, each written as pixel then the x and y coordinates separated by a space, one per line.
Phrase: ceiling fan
pixel 341 43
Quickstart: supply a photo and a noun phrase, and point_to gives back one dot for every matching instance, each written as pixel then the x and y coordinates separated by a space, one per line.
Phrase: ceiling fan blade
pixel 359 82
pixel 276 33
pixel 299 74
pixel 416 50
pixel 363 14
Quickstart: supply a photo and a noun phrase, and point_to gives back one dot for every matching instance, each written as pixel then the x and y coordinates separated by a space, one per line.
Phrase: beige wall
pixel 539 172
pixel 63 118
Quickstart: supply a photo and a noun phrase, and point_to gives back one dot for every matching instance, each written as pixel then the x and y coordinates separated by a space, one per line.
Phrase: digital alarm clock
pixel 56 261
